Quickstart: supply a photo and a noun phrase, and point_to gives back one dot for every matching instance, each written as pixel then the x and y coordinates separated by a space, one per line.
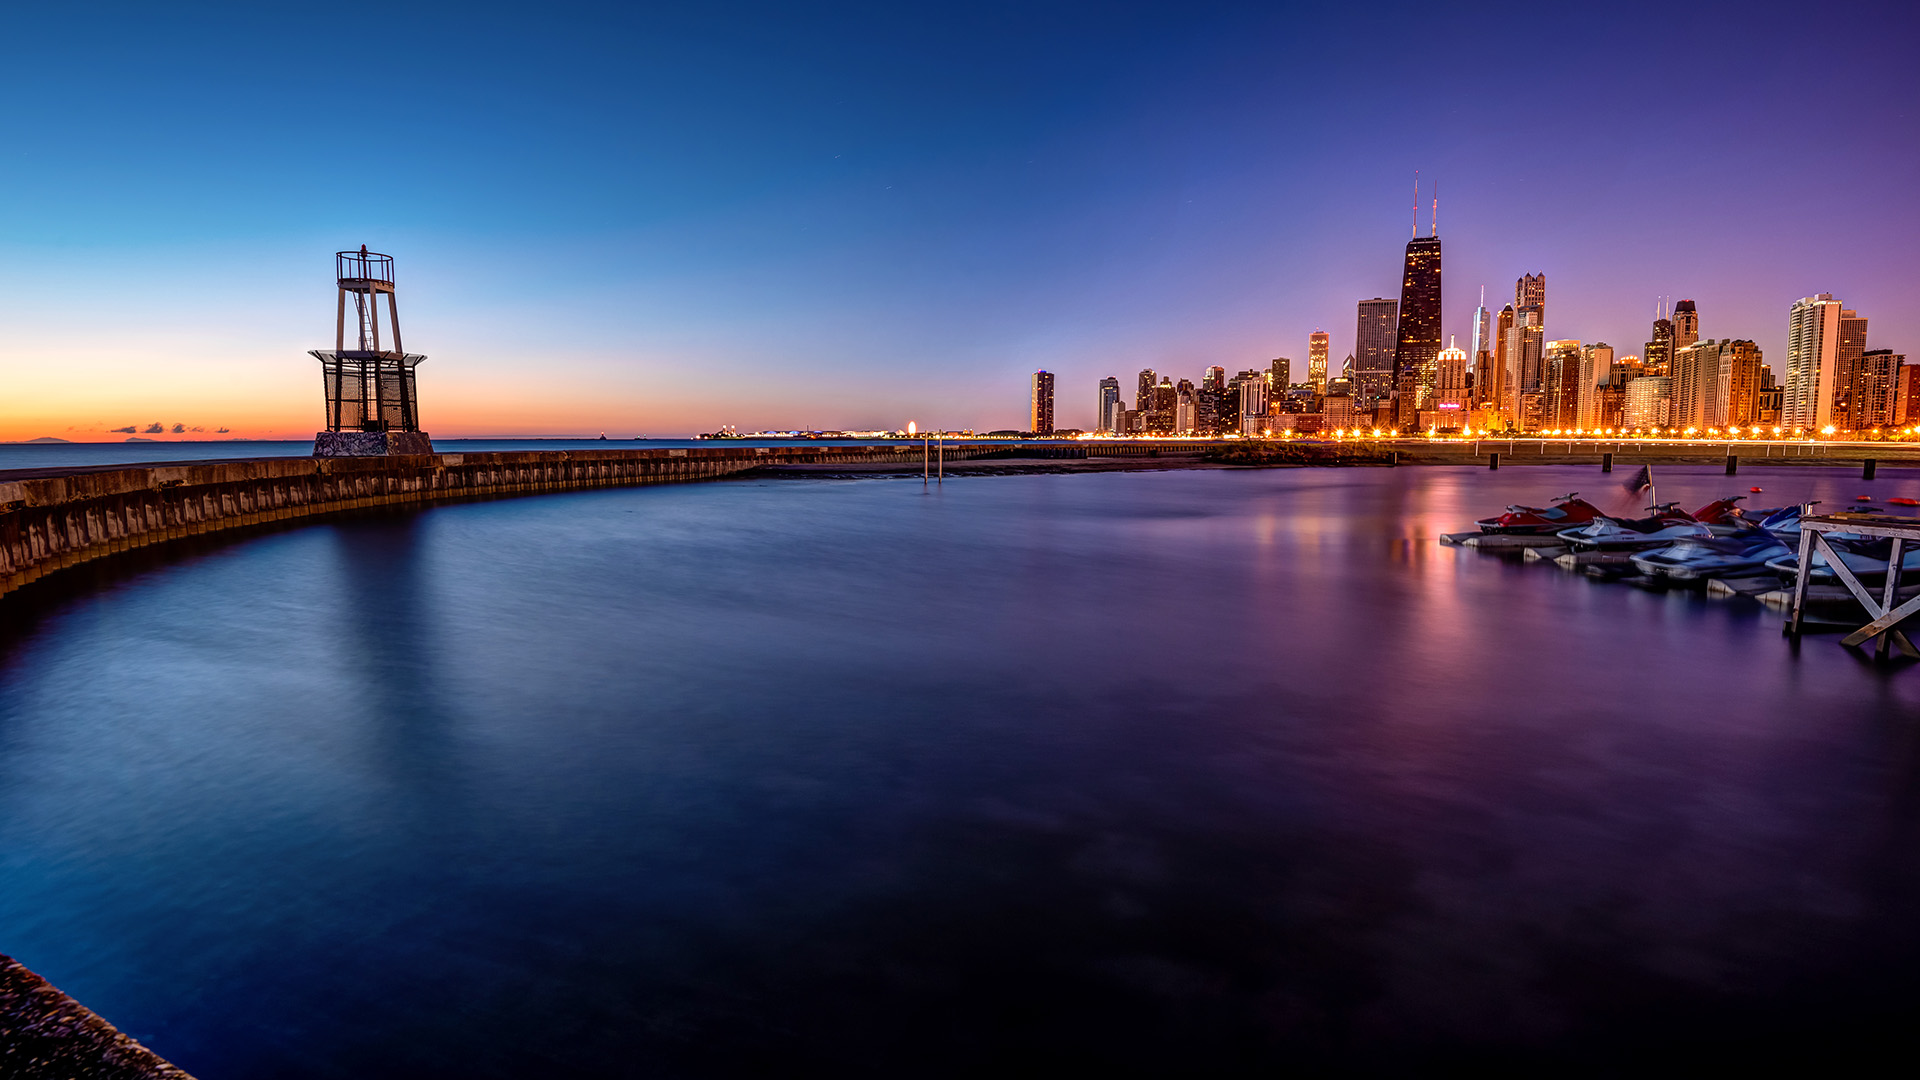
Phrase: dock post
pixel 1800 574
pixel 924 461
pixel 1867 472
pixel 1890 593
pixel 1393 457
pixel 1606 461
pixel 1733 464
pixel 1493 460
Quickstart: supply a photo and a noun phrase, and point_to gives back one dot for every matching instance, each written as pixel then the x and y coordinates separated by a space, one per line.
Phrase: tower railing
pixel 363 266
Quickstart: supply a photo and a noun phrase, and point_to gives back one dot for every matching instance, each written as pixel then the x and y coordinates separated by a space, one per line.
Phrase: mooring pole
pixel 1867 473
pixel 1493 460
pixel 1606 461
pixel 1800 573
pixel 941 476
pixel 924 459
pixel 1733 464
pixel 1890 593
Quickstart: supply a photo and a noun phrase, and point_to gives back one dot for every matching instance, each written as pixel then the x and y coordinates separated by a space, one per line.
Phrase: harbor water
pixel 1157 772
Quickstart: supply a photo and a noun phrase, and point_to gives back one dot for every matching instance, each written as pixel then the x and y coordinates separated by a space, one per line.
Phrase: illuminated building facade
pixel 1737 397
pixel 1108 418
pixel 1373 348
pixel 1596 373
pixel 1417 339
pixel 1813 343
pixel 1043 403
pixel 1318 344
pixel 1646 402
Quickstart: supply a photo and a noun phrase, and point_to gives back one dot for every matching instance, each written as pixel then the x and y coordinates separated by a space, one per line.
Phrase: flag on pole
pixel 1642 480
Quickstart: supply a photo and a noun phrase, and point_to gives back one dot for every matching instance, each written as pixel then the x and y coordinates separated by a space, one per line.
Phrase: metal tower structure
pixel 369 385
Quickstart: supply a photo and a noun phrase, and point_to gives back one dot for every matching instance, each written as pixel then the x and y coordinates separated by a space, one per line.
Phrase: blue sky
pixel 660 220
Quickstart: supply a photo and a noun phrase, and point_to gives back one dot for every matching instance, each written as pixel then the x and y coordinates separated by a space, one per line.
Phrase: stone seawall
pixel 58 518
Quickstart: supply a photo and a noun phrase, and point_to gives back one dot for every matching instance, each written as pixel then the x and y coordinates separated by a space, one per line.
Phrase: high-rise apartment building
pixel 1143 394
pixel 1496 383
pixel 1526 342
pixel 1874 388
pixel 1043 403
pixel 1560 385
pixel 1107 417
pixel 1160 406
pixel 1280 376
pixel 1317 347
pixel 1373 349
pixel 1596 370
pixel 1846 365
pixel 1737 397
pixel 1251 390
pixel 1646 402
pixel 1185 409
pixel 1696 382
pixel 1906 398
pixel 1686 325
pixel 1813 345
pixel 1417 340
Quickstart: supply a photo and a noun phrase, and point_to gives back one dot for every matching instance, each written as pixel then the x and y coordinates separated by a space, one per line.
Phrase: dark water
pixel 1158 772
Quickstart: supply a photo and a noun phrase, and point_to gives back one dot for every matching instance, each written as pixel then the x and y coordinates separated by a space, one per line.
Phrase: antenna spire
pixel 1416 204
pixel 1435 230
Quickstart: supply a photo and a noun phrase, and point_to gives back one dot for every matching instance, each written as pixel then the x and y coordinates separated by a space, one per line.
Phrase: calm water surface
pixel 1156 771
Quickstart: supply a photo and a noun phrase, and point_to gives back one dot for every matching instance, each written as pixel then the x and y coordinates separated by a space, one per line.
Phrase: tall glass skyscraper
pixel 1417 341
pixel 1373 349
pixel 1107 414
pixel 1043 403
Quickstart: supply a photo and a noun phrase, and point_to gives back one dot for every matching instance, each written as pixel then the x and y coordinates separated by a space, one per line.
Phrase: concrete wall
pixel 63 517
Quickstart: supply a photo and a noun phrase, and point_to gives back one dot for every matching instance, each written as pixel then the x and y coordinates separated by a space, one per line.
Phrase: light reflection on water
pixel 1161 770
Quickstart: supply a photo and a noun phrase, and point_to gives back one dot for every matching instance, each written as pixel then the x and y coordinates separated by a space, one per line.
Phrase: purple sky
pixel 857 216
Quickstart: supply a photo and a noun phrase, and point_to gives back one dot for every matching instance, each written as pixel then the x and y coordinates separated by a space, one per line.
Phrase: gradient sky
pixel 659 221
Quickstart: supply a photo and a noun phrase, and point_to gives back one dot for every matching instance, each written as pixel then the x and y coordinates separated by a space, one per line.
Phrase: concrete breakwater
pixel 56 518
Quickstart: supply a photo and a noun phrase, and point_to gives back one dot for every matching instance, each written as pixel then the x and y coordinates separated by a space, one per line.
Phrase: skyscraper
pixel 1659 351
pixel 1686 325
pixel 1526 340
pixel 1450 389
pixel 1480 328
pixel 1813 343
pixel 1373 349
pixel 1696 385
pixel 1280 375
pixel 1596 367
pixel 1185 409
pixel 1738 396
pixel 1043 403
pixel 1417 342
pixel 1560 384
pixel 1143 395
pixel 1106 418
pixel 1317 343
pixel 1846 370
pixel 1496 383
pixel 1531 292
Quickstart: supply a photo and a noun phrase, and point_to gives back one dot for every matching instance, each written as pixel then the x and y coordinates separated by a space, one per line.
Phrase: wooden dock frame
pixel 1884 615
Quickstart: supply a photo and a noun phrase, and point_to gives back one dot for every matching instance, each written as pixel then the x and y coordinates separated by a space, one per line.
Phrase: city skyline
pixel 890 233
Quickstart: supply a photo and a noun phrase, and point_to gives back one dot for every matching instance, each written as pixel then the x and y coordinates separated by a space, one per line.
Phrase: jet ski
pixel 1716 556
pixel 1720 511
pixel 1865 556
pixel 1667 524
pixel 1566 511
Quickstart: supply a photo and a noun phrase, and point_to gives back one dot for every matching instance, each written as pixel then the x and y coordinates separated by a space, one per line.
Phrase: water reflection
pixel 1185 771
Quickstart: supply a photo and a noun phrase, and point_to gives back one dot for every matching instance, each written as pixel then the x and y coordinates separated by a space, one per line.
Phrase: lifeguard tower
pixel 372 409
